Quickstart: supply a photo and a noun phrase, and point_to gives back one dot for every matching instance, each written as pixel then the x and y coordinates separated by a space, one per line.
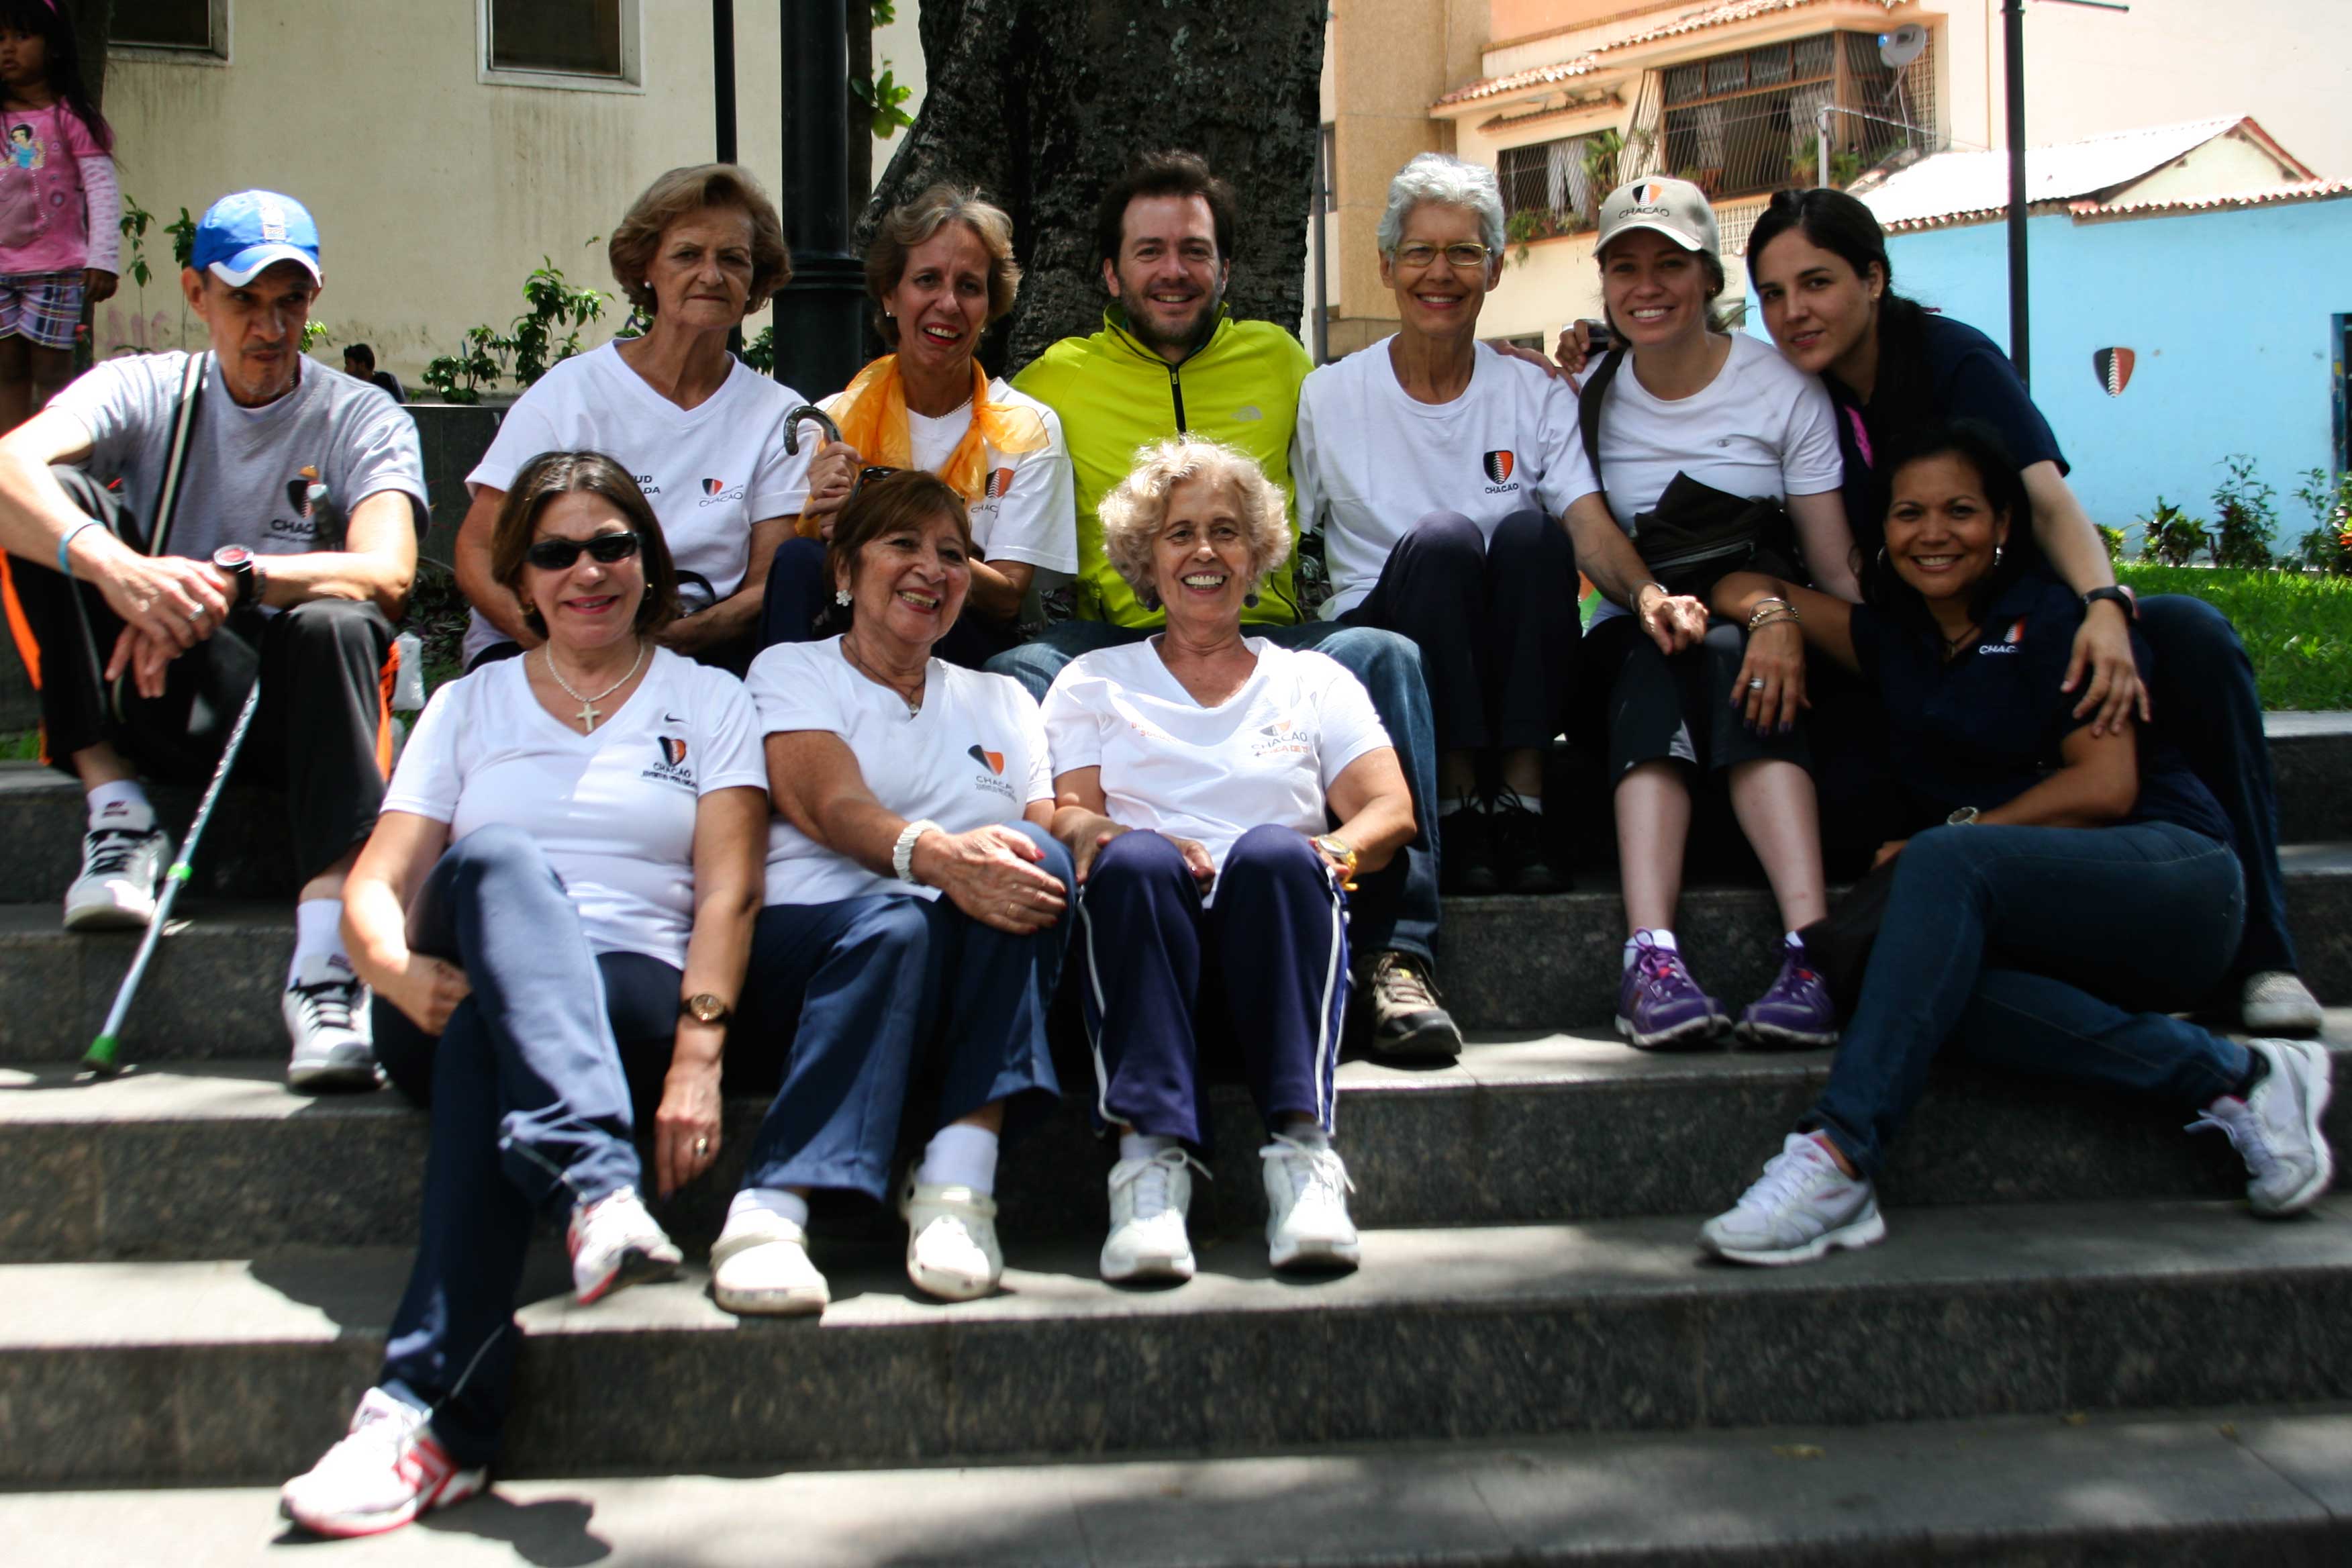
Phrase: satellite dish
pixel 1901 47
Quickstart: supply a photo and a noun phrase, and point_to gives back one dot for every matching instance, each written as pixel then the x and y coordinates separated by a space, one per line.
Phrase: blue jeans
pixel 858 996
pixel 1393 909
pixel 531 1110
pixel 2030 948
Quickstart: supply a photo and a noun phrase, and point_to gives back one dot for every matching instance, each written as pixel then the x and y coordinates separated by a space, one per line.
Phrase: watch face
pixel 231 555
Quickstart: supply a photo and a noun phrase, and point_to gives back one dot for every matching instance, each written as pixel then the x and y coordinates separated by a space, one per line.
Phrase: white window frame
pixel 631 80
pixel 218 53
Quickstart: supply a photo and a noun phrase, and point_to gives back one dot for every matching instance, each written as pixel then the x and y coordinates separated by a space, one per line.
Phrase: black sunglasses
pixel 558 555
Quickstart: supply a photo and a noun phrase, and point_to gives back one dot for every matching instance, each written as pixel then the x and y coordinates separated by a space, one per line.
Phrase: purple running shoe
pixel 1661 1007
pixel 1795 1013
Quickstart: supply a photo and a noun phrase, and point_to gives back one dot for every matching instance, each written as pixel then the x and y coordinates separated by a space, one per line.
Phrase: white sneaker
pixel 1306 1223
pixel 326 1012
pixel 1148 1201
pixel 121 872
pixel 387 1469
pixel 615 1242
pixel 760 1267
pixel 2277 1001
pixel 1801 1207
pixel 951 1250
pixel 2275 1129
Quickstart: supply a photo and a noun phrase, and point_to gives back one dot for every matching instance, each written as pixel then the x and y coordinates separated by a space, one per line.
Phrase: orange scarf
pixel 872 415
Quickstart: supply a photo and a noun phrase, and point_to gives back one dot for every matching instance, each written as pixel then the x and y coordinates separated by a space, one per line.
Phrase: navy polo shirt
pixel 1969 378
pixel 1986 726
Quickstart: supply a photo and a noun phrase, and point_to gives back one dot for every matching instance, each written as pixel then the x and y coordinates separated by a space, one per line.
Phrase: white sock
pixel 123 804
pixel 1793 940
pixel 1307 1133
pixel 1660 938
pixel 960 1155
pixel 770 1200
pixel 1528 803
pixel 1143 1145
pixel 318 934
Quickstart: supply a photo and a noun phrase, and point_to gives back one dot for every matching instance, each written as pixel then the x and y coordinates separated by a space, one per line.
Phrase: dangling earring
pixel 1249 600
pixel 1882 558
pixel 1996 554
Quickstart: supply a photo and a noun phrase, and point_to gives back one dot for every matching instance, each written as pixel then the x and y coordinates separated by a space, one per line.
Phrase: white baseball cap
pixel 1676 208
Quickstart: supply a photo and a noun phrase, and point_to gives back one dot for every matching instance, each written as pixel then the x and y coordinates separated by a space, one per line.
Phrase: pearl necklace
pixel 589 712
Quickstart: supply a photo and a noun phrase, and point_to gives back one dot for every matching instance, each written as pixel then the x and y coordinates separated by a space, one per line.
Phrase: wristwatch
pixel 2123 598
pixel 244 569
pixel 902 853
pixel 1964 818
pixel 704 1007
pixel 1339 849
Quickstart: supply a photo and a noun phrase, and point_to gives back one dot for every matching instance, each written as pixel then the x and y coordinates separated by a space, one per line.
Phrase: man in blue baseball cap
pixel 185 524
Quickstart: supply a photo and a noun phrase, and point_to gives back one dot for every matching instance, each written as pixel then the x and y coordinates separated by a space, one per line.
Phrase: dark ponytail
pixel 1900 397
pixel 48 22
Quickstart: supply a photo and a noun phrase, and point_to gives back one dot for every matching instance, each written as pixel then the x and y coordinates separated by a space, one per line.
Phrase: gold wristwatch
pixel 704 1007
pixel 1337 847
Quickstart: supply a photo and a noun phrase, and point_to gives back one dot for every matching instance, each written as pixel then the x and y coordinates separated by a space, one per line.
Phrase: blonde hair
pixel 1133 514
pixel 681 192
pixel 913 223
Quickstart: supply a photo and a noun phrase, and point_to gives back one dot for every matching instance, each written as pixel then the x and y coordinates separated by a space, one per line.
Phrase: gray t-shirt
pixel 252 474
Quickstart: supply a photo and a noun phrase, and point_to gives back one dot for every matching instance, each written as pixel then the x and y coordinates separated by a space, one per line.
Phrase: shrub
pixel 2327 545
pixel 2170 536
pixel 2246 512
pixel 529 346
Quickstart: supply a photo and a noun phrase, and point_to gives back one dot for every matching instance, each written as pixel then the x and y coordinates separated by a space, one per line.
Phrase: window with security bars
pixel 1554 187
pixel 562 38
pixel 168 23
pixel 1746 122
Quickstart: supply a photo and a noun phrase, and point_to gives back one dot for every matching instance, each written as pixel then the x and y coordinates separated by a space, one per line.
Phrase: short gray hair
pixel 1133 514
pixel 1448 182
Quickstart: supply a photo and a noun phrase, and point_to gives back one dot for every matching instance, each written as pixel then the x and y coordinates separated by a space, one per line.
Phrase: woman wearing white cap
pixel 1712 452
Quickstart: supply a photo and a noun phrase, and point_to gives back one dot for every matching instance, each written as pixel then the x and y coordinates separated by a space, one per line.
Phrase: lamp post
pixel 819 336
pixel 2012 20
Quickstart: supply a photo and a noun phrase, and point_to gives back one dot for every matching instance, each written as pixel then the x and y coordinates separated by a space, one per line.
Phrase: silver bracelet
pixel 902 853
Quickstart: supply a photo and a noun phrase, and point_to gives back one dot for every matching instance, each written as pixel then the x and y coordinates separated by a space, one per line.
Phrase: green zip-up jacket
pixel 1115 396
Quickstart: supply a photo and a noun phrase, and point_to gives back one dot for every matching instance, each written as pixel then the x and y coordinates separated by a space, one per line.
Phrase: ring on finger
pixel 1756 683
pixel 702 1146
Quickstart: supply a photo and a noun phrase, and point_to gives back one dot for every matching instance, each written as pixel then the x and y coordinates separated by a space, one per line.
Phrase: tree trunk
pixel 1041 103
pixel 93 24
pixel 861 118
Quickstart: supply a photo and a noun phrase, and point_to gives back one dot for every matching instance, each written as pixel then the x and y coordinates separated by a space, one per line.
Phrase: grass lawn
pixel 2297 628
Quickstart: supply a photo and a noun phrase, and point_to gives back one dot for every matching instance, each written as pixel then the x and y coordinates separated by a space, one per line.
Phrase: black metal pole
pixel 1322 264
pixel 723 74
pixel 819 342
pixel 2020 351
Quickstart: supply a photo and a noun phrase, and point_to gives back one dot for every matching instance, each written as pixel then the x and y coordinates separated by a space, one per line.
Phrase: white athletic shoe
pixel 326 1012
pixel 386 1470
pixel 1306 1223
pixel 2275 1129
pixel 1801 1207
pixel 2277 1001
pixel 615 1242
pixel 1148 1201
pixel 951 1250
pixel 760 1267
pixel 122 873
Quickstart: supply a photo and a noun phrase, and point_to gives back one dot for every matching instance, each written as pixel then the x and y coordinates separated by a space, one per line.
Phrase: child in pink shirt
pixel 61 212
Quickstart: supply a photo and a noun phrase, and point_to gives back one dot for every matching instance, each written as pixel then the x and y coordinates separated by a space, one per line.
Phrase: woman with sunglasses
pixel 554 911
pixel 941 272
pixel 1438 469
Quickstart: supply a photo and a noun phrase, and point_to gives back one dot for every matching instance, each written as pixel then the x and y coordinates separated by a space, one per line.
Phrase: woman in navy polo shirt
pixel 1818 260
pixel 2076 871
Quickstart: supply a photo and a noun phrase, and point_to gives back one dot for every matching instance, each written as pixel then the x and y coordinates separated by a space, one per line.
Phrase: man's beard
pixel 1204 325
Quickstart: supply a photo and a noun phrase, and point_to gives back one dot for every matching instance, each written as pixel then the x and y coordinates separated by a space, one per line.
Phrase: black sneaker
pixel 1465 853
pixel 1407 1019
pixel 1522 853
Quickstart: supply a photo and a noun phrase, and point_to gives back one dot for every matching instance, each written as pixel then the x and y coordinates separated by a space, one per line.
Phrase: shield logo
pixel 713 487
pixel 1499 466
pixel 1653 194
pixel 2114 369
pixel 994 760
pixel 999 481
pixel 673 751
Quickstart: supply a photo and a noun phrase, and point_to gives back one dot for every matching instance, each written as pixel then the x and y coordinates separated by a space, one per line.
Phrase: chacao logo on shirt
pixel 999 481
pixel 717 491
pixel 1499 466
pixel 306 495
pixel 993 780
pixel 672 768
pixel 1282 738
pixel 2010 639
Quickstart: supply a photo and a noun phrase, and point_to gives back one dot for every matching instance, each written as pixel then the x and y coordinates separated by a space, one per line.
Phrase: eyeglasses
pixel 867 476
pixel 1464 256
pixel 558 555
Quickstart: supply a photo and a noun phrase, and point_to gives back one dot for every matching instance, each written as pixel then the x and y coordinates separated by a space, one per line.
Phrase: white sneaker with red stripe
pixel 387 1469
pixel 615 1242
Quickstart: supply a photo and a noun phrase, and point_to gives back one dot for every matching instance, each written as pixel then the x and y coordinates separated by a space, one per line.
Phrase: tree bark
pixel 1041 103
pixel 93 24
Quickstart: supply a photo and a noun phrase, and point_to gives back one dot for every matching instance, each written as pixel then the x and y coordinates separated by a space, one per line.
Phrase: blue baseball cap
pixel 242 235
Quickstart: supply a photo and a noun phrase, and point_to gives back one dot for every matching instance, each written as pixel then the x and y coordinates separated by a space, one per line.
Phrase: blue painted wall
pixel 2228 312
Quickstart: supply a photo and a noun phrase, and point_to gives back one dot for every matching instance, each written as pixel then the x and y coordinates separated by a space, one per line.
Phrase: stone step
pixel 2260 1485
pixel 245 1369
pixel 216 1159
pixel 245 855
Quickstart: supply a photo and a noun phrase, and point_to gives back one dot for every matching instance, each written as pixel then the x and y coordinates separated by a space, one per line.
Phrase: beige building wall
pixel 435 192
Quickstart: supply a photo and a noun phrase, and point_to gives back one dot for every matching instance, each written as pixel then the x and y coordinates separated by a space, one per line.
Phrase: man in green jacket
pixel 1171 358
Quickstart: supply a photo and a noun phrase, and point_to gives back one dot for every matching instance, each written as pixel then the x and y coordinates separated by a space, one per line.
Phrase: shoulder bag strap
pixel 184 430
pixel 1588 409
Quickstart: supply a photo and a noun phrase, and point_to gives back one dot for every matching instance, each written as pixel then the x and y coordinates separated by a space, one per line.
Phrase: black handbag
pixel 1837 946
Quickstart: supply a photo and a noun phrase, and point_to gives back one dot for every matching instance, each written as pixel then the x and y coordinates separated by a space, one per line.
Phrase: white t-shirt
pixel 1026 510
pixel 974 755
pixel 1266 755
pixel 1371 461
pixel 614 810
pixel 1762 428
pixel 711 472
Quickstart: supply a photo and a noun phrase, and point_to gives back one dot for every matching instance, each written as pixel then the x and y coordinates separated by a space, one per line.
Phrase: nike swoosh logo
pixel 672 719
